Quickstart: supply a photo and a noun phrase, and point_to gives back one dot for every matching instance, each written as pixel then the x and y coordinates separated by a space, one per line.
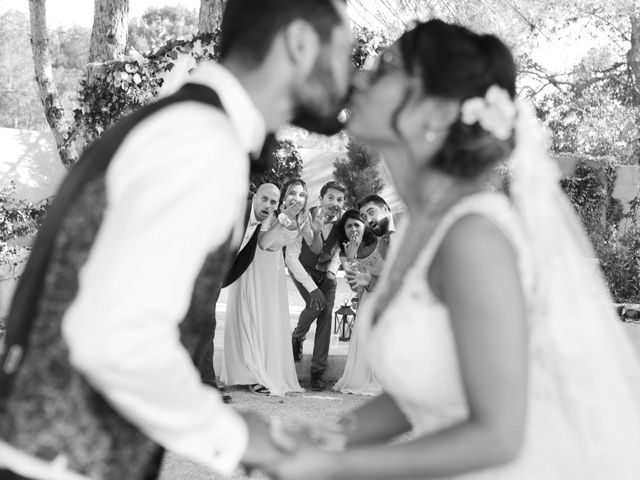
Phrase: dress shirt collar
pixel 245 116
pixel 253 221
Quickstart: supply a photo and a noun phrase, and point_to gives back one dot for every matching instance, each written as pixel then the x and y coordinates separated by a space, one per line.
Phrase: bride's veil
pixel 575 330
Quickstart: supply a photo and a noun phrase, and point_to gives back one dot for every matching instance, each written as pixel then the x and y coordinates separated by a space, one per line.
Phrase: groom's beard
pixel 307 118
pixel 320 103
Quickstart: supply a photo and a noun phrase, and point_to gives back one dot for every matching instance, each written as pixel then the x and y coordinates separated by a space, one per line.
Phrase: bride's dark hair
pixel 454 62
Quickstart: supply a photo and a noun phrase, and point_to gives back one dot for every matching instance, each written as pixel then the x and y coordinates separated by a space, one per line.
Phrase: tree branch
pixel 53 109
pixel 633 55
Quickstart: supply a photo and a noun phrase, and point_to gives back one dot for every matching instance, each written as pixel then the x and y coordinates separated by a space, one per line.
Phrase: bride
pixel 495 342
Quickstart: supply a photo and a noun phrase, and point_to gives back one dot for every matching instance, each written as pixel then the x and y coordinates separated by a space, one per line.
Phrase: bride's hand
pixel 307 463
pixel 312 448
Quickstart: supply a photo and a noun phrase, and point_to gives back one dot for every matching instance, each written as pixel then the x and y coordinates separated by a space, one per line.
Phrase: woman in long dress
pixel 257 335
pixel 493 336
pixel 359 244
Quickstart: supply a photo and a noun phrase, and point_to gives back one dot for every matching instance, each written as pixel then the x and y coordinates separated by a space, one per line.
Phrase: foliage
pixel 288 164
pixel 20 106
pixel 120 87
pixel 587 193
pixel 620 261
pixel 614 236
pixel 595 115
pixel 158 25
pixel 358 172
pixel 572 59
pixel 368 44
pixel 18 219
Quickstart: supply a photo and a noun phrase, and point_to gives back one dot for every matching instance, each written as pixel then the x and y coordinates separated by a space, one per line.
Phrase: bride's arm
pixel 376 421
pixel 476 275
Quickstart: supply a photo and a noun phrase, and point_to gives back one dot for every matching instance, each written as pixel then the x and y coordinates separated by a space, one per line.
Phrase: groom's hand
pixel 262 450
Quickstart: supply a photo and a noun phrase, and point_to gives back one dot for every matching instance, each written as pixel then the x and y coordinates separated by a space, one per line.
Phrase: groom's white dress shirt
pixel 172 175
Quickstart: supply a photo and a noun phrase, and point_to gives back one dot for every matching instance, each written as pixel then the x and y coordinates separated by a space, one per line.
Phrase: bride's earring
pixel 430 135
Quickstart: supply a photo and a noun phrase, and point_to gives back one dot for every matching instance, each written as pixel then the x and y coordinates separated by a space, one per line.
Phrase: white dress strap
pixel 494 206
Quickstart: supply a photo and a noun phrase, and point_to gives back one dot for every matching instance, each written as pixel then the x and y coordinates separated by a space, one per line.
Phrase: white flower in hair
pixel 495 113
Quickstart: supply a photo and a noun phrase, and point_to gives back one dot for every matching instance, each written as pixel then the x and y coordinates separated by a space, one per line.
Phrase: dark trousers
pixel 204 350
pixel 322 317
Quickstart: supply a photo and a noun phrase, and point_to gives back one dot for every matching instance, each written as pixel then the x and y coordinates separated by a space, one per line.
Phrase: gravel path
pixel 306 407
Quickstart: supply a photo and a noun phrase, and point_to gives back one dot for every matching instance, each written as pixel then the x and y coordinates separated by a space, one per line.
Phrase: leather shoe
pixel 317 384
pixel 296 345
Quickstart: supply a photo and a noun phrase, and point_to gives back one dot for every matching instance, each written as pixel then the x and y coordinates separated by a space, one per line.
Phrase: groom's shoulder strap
pixel 197 92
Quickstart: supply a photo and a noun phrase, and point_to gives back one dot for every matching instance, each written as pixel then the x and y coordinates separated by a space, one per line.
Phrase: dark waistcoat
pixel 46 407
pixel 320 261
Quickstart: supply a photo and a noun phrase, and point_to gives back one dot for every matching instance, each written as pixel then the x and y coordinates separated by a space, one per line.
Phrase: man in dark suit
pixel 313 271
pixel 263 204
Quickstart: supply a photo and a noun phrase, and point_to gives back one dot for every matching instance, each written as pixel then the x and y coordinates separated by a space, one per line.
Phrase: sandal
pixel 259 389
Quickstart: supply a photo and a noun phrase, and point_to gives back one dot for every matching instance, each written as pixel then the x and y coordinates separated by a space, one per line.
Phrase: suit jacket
pixel 245 256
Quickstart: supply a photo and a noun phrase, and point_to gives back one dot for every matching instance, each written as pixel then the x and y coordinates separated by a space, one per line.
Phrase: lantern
pixel 345 317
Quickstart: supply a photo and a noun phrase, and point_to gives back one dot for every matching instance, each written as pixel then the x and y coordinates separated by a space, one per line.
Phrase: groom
pixel 95 370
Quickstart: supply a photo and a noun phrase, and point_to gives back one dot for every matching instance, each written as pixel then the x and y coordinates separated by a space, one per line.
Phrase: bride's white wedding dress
pixel 574 429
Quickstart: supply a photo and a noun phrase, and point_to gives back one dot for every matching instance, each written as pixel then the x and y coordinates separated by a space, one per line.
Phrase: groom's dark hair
pixel 248 27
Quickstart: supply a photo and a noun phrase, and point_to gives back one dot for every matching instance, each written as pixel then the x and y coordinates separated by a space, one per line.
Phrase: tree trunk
pixel 210 15
pixel 633 55
pixel 53 109
pixel 109 32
